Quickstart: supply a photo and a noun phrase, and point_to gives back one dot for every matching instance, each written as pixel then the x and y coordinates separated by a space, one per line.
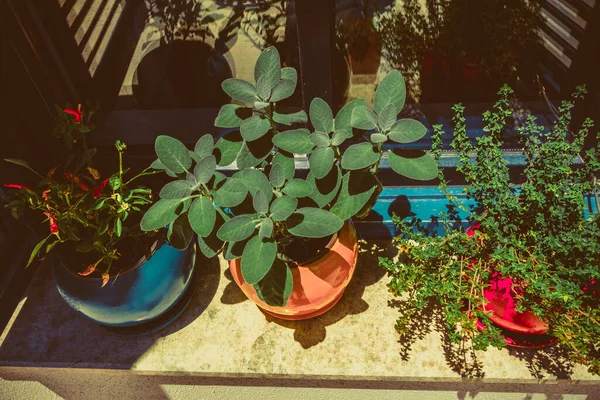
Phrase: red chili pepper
pixel 75 113
pixel 97 191
pixel 52 171
pixel 68 175
pixel 17 186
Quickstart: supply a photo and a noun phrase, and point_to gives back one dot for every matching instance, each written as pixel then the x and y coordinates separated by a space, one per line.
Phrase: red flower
pixel 97 191
pixel 17 186
pixel 77 114
pixel 68 175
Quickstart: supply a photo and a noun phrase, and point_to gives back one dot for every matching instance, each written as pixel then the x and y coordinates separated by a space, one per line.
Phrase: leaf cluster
pixel 263 208
pixel 544 234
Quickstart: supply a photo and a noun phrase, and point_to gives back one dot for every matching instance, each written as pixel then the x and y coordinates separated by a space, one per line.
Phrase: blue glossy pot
pixel 138 295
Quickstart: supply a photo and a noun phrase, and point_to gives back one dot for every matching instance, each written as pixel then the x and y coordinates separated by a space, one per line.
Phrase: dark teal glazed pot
pixel 144 295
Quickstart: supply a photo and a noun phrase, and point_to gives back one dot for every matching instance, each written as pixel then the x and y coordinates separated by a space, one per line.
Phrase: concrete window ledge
pixel 224 340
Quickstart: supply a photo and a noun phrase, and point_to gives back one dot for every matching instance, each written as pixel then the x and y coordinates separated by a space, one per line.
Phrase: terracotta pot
pixel 318 286
pixel 502 305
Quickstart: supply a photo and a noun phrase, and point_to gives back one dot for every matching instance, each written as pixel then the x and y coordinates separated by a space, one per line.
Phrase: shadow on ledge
pixel 47 332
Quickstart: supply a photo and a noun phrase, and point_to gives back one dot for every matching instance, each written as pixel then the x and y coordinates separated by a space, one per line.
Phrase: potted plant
pixel 184 66
pixel 289 240
pixel 106 268
pixel 526 271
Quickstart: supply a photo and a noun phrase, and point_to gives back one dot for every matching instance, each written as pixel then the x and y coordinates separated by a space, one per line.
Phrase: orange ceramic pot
pixel 318 286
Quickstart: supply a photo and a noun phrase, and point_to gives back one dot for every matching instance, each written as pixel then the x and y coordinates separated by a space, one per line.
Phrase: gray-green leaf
pixel 163 212
pixel 414 164
pixel 321 161
pixel 228 148
pixel 173 154
pixel 240 90
pixel 205 169
pixel 277 175
pixel 257 259
pixel 282 90
pixel 320 139
pixel 363 118
pixel 202 216
pixel 295 141
pixel 391 90
pixel 297 188
pixel 286 160
pixel 313 223
pixel 359 156
pixel 407 130
pixel 263 88
pixel 282 207
pixel 321 116
pixel 378 138
pixel 387 117
pixel 232 193
pixel 357 188
pixel 260 202
pixel 340 136
pixel 227 117
pixel 289 119
pixel 266 228
pixel 343 119
pixel 204 146
pixel 254 127
pixel 268 65
pixel 289 73
pixel 176 190
pixel 237 228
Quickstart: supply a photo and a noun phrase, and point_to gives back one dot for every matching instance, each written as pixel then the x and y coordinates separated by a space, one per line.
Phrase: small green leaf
pixel 232 193
pixel 313 223
pixel 163 212
pixel 277 175
pixel 205 169
pixel 407 130
pixel 343 119
pixel 414 164
pixel 321 116
pixel 228 116
pixel 204 146
pixel 256 181
pixel 363 118
pixel 282 90
pixel 157 164
pixel 257 259
pixel 289 73
pixel 118 227
pixel 282 207
pixel 260 105
pixel 378 138
pixel 289 119
pixel 237 228
pixel 387 117
pixel 176 190
pixel 297 188
pixel 286 160
pixel 239 89
pixel 276 287
pixel 228 148
pixel 340 136
pixel 391 90
pixel 36 250
pixel 268 65
pixel 260 202
pixel 266 228
pixel 263 88
pixel 254 127
pixel 320 139
pixel 359 156
pixel 202 216
pixel 321 160
pixel 295 141
pixel 173 154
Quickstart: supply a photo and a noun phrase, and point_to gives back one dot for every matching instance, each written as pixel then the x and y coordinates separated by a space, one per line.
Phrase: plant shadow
pixel 553 359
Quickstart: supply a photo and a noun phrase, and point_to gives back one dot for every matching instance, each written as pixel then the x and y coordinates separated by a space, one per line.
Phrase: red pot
pixel 318 286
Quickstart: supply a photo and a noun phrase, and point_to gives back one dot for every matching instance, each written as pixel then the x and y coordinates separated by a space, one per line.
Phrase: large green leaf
pixel 289 73
pixel 173 154
pixel 205 169
pixel 163 212
pixel 257 259
pixel 204 146
pixel 295 141
pixel 391 90
pixel 313 223
pixel 325 189
pixel 260 202
pixel 359 156
pixel 240 90
pixel 263 87
pixel 363 118
pixel 286 160
pixel 180 233
pixel 321 116
pixel 343 119
pixel 256 181
pixel 387 117
pixel 232 193
pixel 176 190
pixel 297 188
pixel 276 287
pixel 357 188
pixel 414 164
pixel 282 207
pixel 289 119
pixel 268 65
pixel 211 244
pixel 230 116
pixel 340 136
pixel 320 139
pixel 321 160
pixel 202 216
pixel 254 127
pixel 407 130
pixel 228 148
pixel 282 90
pixel 237 228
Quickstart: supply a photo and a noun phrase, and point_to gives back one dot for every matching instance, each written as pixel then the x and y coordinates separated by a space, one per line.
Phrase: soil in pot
pixel 182 74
